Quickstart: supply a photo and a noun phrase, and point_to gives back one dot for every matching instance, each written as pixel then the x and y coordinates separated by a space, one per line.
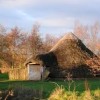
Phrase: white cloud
pixel 26 3
pixel 49 13
pixel 17 3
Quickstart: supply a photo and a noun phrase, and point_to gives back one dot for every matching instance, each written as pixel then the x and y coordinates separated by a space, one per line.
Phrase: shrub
pixel 61 94
pixel 96 94
pixel 19 92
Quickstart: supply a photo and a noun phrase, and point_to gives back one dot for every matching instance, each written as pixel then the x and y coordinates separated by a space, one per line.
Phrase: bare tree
pixel 15 40
pixel 81 31
pixel 4 54
pixel 49 42
pixel 95 37
pixel 35 41
pixel 90 35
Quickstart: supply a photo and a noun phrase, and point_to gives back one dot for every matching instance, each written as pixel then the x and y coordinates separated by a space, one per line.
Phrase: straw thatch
pixel 32 60
pixel 68 53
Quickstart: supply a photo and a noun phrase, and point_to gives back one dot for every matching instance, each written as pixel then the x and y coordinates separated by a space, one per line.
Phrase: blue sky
pixel 54 16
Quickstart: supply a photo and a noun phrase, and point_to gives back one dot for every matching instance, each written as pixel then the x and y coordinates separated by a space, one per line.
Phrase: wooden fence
pixel 18 74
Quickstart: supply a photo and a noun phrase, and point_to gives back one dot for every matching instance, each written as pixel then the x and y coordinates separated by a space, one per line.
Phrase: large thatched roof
pixel 70 51
pixel 67 53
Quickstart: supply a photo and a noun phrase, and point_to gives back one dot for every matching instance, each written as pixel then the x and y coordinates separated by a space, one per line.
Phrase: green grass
pixel 49 86
pixel 4 76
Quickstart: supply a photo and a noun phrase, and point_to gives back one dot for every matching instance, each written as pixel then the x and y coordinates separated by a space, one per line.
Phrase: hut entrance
pixel 34 71
pixel 37 72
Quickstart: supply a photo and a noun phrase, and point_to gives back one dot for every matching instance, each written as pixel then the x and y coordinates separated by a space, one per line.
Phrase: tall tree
pixel 49 42
pixel 95 37
pixel 15 39
pixel 90 35
pixel 81 31
pixel 35 41
pixel 4 54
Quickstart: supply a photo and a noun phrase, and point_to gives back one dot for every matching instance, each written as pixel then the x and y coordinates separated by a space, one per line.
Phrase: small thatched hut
pixel 68 55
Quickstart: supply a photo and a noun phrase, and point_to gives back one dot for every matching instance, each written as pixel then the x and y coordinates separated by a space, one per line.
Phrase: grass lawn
pixel 49 86
pixel 4 76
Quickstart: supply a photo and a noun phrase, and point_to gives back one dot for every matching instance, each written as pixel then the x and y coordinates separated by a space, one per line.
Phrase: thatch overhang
pixel 32 60
pixel 48 59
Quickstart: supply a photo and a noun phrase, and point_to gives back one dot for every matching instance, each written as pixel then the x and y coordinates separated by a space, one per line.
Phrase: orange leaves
pixel 94 63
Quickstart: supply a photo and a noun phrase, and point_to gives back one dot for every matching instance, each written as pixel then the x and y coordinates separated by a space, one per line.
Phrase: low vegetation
pixel 19 92
pixel 60 93
pixel 74 89
pixel 51 90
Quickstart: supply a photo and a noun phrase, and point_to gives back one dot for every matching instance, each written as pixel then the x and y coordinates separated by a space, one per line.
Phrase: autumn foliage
pixel 16 45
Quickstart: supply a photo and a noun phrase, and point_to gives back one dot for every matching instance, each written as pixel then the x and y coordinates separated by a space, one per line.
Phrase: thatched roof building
pixel 68 53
